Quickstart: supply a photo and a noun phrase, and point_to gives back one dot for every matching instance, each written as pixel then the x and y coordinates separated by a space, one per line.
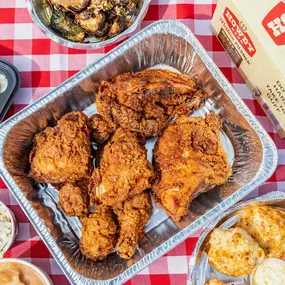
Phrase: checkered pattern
pixel 44 64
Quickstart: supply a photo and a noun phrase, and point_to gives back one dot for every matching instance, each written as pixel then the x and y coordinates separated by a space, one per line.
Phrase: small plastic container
pixel 10 82
pixel 43 275
pixel 14 228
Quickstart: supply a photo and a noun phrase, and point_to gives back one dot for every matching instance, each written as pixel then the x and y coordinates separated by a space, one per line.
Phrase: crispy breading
pixel 73 200
pixel 133 216
pixel 189 158
pixel 62 154
pixel 215 282
pixel 234 252
pixel 146 101
pixel 101 129
pixel 267 226
pixel 99 233
pixel 123 172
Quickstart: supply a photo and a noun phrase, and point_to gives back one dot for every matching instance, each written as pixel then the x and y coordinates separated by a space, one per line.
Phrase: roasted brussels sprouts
pixel 103 5
pixel 119 24
pixel 93 22
pixel 65 26
pixel 74 5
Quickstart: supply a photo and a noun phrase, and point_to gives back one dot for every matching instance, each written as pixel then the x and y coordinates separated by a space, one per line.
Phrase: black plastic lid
pixel 14 81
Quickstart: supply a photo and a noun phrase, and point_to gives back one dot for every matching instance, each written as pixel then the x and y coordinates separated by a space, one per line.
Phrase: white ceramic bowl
pixel 40 272
pixel 253 272
pixel 14 229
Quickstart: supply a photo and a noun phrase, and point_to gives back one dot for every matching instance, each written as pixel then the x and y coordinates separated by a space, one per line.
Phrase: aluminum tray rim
pixel 274 195
pixel 267 168
pixel 87 46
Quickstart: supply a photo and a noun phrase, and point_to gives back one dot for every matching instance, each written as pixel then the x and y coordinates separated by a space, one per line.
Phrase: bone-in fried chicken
pixel 133 216
pixel 99 233
pixel 101 129
pixel 73 200
pixel 189 158
pixel 123 172
pixel 146 101
pixel 62 154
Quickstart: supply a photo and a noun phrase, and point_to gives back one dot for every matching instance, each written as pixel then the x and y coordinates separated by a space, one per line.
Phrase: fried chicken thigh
pixel 99 233
pixel 123 172
pixel 73 200
pixel 189 158
pixel 62 154
pixel 133 216
pixel 146 101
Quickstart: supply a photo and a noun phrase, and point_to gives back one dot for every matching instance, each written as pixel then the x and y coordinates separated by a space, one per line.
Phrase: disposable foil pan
pixel 39 16
pixel 166 44
pixel 199 269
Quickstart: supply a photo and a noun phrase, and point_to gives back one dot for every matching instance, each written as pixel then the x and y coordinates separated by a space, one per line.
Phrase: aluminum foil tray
pixel 40 17
pixel 166 44
pixel 199 268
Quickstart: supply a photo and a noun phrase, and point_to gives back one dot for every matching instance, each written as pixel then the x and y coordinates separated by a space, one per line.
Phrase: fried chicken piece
pixel 73 200
pixel 62 154
pixel 101 129
pixel 146 101
pixel 234 252
pixel 99 233
pixel 215 282
pixel 133 216
pixel 123 172
pixel 267 226
pixel 190 159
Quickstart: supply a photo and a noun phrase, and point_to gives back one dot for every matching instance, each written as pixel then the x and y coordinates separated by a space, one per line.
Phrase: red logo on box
pixel 274 24
pixel 241 36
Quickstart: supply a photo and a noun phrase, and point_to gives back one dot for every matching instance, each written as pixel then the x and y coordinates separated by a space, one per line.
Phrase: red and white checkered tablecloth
pixel 44 64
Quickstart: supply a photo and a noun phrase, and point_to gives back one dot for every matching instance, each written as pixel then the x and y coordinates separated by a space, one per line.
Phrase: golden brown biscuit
pixel 233 252
pixel 267 226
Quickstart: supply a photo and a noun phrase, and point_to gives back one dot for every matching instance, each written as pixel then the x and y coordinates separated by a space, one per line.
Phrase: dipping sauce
pixel 12 273
pixel 270 272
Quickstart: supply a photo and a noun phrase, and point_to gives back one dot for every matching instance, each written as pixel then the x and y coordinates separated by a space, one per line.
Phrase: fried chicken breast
pixel 99 233
pixel 101 129
pixel 62 154
pixel 267 226
pixel 123 172
pixel 189 158
pixel 233 252
pixel 73 200
pixel 133 216
pixel 146 101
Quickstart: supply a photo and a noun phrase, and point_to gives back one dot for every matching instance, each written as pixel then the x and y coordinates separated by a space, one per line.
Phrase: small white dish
pixel 43 275
pixel 14 228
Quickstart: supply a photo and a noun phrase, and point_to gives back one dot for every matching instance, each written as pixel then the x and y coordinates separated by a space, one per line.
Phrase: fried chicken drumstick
pixel 123 172
pixel 146 101
pixel 133 216
pixel 189 158
pixel 99 233
pixel 62 154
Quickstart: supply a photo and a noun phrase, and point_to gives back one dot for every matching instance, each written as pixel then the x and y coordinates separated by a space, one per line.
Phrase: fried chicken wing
pixel 267 226
pixel 62 154
pixel 73 200
pixel 99 233
pixel 133 216
pixel 101 129
pixel 189 158
pixel 146 101
pixel 123 172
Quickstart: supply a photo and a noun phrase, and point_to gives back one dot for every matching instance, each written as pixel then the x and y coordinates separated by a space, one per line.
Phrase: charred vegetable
pixel 103 5
pixel 64 25
pixel 118 26
pixel 74 5
pixel 93 22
